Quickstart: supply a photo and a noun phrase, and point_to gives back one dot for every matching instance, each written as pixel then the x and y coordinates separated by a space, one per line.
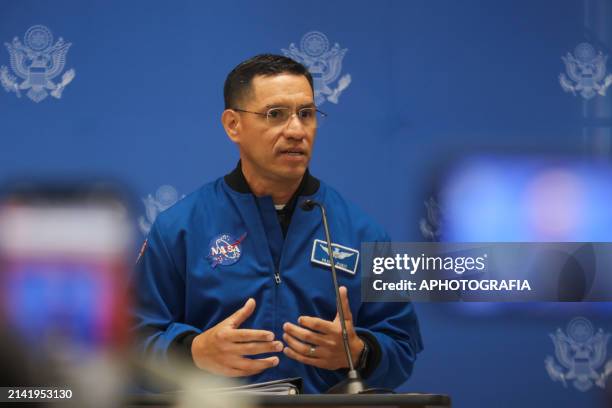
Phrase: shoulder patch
pixel 143 248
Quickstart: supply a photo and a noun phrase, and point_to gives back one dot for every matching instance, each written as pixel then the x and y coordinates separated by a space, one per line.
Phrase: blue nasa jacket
pixel 221 245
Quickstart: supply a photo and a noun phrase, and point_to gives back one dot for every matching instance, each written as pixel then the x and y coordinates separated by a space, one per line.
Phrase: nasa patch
pixel 224 249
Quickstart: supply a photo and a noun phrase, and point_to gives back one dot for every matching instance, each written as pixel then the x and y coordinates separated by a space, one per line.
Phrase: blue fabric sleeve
pixel 395 327
pixel 159 294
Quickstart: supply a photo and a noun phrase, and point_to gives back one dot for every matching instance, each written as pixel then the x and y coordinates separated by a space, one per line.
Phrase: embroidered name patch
pixel 224 249
pixel 345 258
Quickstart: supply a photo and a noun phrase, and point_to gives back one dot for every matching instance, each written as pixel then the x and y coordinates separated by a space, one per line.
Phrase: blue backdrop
pixel 420 84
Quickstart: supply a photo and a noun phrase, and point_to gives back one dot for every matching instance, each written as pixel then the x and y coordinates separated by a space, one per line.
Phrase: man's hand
pixel 221 349
pixel 318 342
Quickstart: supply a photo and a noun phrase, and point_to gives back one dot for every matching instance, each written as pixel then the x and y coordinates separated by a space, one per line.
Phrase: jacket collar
pixel 236 181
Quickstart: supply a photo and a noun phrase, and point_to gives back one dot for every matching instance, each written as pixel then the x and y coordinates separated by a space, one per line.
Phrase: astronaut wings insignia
pixel 324 64
pixel 37 61
pixel 338 254
pixel 579 355
pixel 586 72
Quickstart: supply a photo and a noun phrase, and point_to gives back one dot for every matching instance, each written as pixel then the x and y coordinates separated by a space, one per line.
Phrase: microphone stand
pixel 353 383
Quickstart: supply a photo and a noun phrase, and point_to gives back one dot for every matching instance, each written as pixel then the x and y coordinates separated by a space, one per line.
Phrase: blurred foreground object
pixel 65 255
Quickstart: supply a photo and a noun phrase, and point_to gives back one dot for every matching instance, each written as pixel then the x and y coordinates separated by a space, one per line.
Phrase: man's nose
pixel 294 127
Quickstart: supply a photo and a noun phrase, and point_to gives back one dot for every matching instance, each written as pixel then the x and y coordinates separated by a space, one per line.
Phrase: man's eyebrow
pixel 280 105
pixel 307 105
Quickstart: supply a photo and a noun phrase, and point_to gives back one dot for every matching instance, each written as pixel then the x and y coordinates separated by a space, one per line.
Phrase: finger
pixel 257 347
pixel 346 307
pixel 317 324
pixel 247 335
pixel 292 354
pixel 254 366
pixel 301 348
pixel 232 372
pixel 304 335
pixel 242 314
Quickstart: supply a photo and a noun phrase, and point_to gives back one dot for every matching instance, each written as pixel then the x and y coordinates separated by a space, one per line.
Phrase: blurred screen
pixel 528 198
pixel 64 267
pixel 509 198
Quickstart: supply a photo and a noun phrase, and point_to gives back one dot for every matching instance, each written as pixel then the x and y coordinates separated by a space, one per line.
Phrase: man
pixel 230 275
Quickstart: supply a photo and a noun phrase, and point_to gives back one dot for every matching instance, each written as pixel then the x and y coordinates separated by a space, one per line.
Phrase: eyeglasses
pixel 278 116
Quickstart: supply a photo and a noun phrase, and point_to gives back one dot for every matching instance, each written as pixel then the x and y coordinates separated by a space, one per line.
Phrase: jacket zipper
pixel 277 280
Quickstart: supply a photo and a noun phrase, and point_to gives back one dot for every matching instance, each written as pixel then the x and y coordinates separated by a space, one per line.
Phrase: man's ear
pixel 231 123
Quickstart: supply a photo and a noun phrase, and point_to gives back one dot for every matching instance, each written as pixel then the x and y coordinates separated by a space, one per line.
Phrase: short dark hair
pixel 238 82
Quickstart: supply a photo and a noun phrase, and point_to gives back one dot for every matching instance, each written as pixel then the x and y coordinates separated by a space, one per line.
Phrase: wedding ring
pixel 311 351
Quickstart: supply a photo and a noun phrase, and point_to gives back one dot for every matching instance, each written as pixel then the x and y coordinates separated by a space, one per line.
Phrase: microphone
pixel 308 205
pixel 352 384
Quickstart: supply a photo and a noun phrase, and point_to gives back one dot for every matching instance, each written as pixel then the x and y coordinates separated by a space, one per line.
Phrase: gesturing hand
pixel 221 349
pixel 318 342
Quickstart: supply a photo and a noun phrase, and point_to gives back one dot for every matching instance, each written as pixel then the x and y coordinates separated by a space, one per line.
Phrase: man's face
pixel 276 152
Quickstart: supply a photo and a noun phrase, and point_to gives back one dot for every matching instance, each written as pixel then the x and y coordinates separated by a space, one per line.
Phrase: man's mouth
pixel 293 152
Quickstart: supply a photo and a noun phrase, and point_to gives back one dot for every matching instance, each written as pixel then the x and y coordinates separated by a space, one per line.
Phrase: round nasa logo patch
pixel 225 250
